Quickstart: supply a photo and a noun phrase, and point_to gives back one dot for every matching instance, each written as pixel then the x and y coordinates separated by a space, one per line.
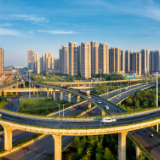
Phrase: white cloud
pixel 10 32
pixel 30 32
pixel 25 17
pixel 56 31
pixel 5 25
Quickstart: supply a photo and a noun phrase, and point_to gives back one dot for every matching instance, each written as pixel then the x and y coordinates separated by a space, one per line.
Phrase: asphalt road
pixel 37 150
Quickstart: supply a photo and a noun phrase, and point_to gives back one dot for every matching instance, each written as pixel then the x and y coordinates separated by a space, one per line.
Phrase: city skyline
pixel 27 24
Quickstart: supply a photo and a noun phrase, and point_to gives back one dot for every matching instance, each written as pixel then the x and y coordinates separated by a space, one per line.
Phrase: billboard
pixel 131 76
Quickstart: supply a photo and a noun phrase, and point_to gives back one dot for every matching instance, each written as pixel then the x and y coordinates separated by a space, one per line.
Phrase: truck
pixel 84 91
pixel 65 87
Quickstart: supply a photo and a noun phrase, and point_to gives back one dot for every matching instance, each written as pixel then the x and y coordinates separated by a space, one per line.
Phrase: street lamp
pixel 29 82
pixel 59 108
pixel 100 75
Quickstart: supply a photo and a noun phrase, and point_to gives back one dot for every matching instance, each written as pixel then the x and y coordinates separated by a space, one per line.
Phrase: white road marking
pixel 41 154
pixel 28 152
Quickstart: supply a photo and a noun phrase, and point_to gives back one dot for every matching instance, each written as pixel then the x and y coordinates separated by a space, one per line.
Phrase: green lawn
pixel 41 106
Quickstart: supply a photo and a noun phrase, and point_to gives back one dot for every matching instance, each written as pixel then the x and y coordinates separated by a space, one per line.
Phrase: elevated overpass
pixel 90 83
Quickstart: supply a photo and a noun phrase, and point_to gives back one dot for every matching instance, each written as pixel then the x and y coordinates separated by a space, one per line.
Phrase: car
pixel 99 101
pixel 108 120
pixel 89 96
pixel 106 107
pixel 119 95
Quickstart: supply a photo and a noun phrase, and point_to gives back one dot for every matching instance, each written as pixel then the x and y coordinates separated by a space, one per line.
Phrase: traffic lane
pixel 17 137
pixel 110 94
pixel 37 150
pixel 112 109
pixel 72 111
pixel 94 112
pixel 58 124
pixel 150 144
pixel 124 95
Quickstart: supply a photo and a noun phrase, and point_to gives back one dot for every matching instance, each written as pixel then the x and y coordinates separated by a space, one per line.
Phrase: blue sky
pixel 45 25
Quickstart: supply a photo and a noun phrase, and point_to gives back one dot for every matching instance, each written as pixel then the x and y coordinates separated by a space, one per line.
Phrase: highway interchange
pixel 37 150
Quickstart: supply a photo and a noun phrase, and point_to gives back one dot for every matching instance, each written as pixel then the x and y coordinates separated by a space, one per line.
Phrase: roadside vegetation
pixel 2 102
pixel 42 106
pixel 102 147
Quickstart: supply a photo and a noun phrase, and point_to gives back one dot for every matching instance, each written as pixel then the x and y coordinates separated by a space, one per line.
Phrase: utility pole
pixel 157 89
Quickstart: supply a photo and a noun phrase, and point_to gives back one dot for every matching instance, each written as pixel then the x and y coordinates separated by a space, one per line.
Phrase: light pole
pixel 29 82
pixel 63 110
pixel 59 108
pixel 157 90
pixel 100 76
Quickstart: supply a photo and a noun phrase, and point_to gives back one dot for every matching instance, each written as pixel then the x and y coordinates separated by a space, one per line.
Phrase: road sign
pixel 131 76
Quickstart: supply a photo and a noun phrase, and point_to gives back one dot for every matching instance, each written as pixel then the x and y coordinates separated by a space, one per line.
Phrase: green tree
pixel 129 101
pixel 137 104
pixel 145 104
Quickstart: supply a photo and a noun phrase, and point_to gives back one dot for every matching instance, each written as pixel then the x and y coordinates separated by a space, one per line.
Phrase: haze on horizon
pixel 45 26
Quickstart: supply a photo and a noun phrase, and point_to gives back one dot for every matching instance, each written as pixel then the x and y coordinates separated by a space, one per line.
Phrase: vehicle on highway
pixel 65 87
pixel 119 95
pixel 126 88
pixel 99 101
pixel 84 91
pixel 89 96
pixel 152 136
pixel 108 120
pixel 106 107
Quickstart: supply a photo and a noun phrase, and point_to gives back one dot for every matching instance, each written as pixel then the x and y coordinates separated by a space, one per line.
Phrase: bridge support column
pixel 47 92
pixel 50 92
pixel 61 95
pixel 122 145
pixel 24 85
pixel 54 94
pixel 7 138
pixel 78 85
pixel 78 99
pixel 69 97
pixel 5 94
pixel 34 93
pixel 57 147
pixel 157 128
pixel 0 93
pixel 89 104
pixel 138 152
pixel 89 84
pixel 103 113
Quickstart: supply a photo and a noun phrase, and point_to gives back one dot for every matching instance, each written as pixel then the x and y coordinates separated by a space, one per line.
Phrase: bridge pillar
pixel 5 94
pixel 78 85
pixel 24 85
pixel 50 92
pixel 138 152
pixel 78 99
pixel 103 113
pixel 89 84
pixel 47 92
pixel 61 95
pixel 89 104
pixel 122 145
pixel 69 97
pixel 7 138
pixel 34 93
pixel 57 147
pixel 157 128
pixel 54 94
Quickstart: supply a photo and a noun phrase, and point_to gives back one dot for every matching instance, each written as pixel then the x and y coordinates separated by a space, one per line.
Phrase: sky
pixel 46 25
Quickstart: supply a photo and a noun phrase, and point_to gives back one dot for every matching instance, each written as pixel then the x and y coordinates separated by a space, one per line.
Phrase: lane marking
pixel 41 154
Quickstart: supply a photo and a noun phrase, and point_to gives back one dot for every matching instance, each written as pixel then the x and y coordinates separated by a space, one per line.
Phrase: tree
pixel 129 101
pixel 137 104
pixel 153 104
pixel 145 104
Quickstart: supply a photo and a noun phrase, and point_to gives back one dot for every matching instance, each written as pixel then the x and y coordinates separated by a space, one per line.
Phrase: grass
pixel 42 106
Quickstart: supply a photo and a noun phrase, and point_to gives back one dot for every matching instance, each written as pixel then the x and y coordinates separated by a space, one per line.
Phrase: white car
pixel 107 107
pixel 108 120
pixel 89 96
pixel 99 101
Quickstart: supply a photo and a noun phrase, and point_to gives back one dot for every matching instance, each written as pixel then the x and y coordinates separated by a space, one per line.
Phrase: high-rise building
pixel 64 61
pixel 135 61
pixel 73 66
pixel 36 64
pixel 127 60
pixel 94 58
pixel 122 60
pixel 145 61
pixel 41 64
pixel 79 60
pixel 1 62
pixel 30 59
pixel 104 58
pixel 85 60
pixel 114 60
pixel 56 63
pixel 154 61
